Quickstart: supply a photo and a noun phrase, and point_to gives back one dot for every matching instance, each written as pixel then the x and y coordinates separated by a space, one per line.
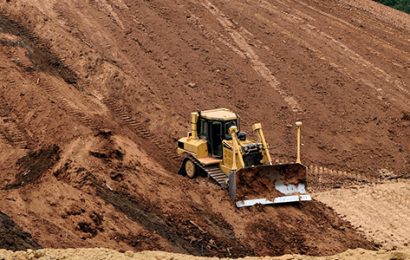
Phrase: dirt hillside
pixel 94 94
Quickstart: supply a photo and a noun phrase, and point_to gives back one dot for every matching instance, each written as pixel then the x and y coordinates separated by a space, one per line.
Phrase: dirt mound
pixel 251 186
pixel 12 237
pixel 260 182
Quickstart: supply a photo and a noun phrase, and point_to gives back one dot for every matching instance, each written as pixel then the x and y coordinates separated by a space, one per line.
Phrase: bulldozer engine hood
pixel 251 152
pixel 246 146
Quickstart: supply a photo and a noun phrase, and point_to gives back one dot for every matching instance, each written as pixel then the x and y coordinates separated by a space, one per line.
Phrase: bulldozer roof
pixel 219 114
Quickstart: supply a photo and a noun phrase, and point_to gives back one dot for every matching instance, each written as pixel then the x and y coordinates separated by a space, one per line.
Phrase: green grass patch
pixel 402 5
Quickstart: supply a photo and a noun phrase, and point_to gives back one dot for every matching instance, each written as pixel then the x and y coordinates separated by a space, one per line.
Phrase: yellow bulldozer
pixel 216 147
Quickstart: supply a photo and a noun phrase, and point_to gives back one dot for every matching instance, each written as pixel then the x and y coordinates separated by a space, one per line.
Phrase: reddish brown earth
pixel 93 95
pixel 260 182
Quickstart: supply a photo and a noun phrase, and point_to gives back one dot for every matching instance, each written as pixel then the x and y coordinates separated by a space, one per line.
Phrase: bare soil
pixel 12 237
pixel 34 165
pixel 255 186
pixel 99 253
pixel 387 203
pixel 94 94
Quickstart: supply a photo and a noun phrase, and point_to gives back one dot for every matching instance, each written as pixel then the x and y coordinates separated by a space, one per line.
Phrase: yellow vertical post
pixel 232 173
pixel 298 125
pixel 258 128
pixel 236 147
pixel 194 121
pixel 234 166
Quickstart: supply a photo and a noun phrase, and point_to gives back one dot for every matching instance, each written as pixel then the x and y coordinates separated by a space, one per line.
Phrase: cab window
pixel 203 128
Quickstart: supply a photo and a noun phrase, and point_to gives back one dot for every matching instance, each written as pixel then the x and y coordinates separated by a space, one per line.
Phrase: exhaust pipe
pixel 194 122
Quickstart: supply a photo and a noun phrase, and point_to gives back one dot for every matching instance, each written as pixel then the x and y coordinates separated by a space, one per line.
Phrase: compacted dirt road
pixel 94 94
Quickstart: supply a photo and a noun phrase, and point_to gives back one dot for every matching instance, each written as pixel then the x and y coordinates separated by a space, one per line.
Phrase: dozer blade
pixel 269 184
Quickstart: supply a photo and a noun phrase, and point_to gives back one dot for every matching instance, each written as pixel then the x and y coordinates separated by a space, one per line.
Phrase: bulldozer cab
pixel 214 127
pixel 215 132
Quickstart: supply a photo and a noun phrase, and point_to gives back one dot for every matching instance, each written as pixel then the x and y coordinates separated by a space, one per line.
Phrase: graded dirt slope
pixel 94 94
pixel 341 69
pixel 381 212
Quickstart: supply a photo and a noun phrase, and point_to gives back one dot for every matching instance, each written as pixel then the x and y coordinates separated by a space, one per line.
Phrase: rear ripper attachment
pixel 217 147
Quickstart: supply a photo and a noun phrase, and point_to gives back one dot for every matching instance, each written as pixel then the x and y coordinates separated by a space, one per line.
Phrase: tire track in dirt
pixel 211 35
pixel 379 12
pixel 36 52
pixel 139 127
pixel 238 36
pixel 109 10
pixel 65 105
pixel 9 130
pixel 334 61
pixel 323 178
pixel 378 212
pixel 354 55
pixel 347 55
pixel 386 55
pixel 386 203
pixel 320 178
pixel 180 230
pixel 403 53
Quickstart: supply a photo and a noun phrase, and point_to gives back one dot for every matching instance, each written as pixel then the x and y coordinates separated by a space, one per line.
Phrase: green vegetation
pixel 403 5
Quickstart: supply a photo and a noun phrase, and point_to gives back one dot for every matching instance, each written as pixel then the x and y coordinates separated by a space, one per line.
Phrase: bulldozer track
pixel 139 127
pixel 9 130
pixel 216 174
pixel 212 171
